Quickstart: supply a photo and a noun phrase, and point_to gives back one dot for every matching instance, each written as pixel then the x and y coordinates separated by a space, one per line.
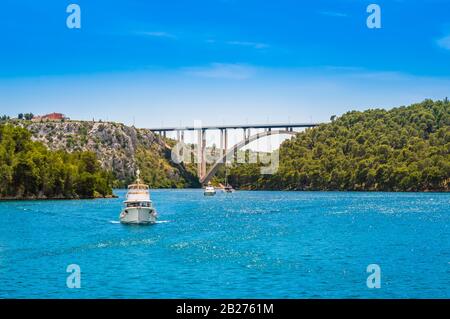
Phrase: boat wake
pixel 157 222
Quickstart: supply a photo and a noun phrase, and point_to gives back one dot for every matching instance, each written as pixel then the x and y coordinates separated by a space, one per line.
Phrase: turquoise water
pixel 241 245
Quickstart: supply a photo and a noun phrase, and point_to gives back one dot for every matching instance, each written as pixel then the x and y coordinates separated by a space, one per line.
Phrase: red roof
pixel 54 116
pixel 51 116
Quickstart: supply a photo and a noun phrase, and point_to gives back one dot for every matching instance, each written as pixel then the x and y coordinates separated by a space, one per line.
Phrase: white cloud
pixel 444 42
pixel 158 34
pixel 334 14
pixel 223 71
pixel 255 45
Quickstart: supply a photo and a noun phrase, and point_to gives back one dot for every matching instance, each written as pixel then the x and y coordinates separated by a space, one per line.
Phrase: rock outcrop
pixel 118 147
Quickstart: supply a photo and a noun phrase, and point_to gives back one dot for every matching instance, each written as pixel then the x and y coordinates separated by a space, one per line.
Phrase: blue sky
pixel 220 61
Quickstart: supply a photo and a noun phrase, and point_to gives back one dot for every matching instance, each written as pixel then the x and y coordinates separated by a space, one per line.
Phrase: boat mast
pixel 138 180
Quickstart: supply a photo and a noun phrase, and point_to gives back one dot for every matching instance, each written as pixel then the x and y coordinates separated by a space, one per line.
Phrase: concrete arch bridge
pixel 228 153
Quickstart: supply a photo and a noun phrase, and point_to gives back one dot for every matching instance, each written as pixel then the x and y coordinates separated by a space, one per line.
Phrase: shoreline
pixel 343 191
pixel 12 199
pixel 32 199
pixel 307 191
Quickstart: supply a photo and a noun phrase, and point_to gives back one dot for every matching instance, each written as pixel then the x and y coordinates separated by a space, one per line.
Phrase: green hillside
pixel 28 170
pixel 403 149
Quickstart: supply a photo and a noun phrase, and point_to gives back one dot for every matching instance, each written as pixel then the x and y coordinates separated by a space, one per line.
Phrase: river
pixel 240 245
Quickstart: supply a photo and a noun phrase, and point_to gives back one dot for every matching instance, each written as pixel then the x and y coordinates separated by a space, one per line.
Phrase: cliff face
pixel 120 149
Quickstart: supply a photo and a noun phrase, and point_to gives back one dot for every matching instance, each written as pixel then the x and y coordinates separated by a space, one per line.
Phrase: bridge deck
pixel 244 126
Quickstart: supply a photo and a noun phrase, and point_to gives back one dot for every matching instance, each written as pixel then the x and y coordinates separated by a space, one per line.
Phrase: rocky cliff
pixel 120 149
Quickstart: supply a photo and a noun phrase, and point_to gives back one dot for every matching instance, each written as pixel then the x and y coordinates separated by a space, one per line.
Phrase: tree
pixel 403 149
pixel 29 170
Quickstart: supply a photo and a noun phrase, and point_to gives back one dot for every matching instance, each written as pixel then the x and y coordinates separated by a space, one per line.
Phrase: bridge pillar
pixel 221 143
pixel 225 143
pixel 199 153
pixel 240 157
pixel 178 135
pixel 203 153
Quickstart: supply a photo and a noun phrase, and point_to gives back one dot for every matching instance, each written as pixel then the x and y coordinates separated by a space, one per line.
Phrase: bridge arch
pixel 221 161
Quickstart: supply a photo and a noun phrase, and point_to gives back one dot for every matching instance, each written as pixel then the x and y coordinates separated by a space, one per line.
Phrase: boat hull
pixel 209 193
pixel 138 216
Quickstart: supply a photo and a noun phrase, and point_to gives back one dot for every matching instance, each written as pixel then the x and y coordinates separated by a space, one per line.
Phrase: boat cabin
pixel 138 195
pixel 138 204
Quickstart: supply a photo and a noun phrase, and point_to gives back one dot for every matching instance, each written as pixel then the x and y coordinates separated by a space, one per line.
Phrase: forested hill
pixel 403 149
pixel 120 149
pixel 80 159
pixel 28 170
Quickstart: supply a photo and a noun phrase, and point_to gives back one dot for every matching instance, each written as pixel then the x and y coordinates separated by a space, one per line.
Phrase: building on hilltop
pixel 50 117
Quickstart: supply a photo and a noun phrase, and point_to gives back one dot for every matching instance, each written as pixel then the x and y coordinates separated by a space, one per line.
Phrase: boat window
pixel 138 204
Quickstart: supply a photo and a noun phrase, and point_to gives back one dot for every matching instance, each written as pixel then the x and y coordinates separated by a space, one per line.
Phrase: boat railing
pixel 139 196
pixel 138 186
pixel 138 192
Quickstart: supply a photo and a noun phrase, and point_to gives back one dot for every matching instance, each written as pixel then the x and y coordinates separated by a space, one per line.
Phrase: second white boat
pixel 209 190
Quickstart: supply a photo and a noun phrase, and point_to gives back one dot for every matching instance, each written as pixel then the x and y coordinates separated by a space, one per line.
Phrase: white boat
pixel 228 189
pixel 209 190
pixel 138 206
